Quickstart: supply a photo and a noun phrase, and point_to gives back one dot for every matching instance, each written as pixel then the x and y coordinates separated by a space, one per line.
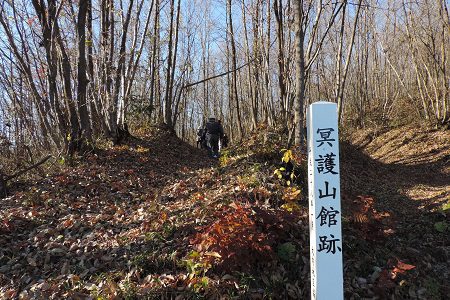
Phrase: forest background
pixel 76 71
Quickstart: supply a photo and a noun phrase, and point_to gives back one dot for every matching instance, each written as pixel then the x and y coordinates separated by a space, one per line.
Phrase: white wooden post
pixel 324 202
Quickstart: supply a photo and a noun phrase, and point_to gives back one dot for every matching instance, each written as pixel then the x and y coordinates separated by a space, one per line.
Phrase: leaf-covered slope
pixel 396 201
pixel 153 218
pixel 156 218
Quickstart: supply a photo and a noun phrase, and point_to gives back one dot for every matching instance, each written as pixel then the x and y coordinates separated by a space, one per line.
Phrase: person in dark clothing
pixel 224 141
pixel 214 132
pixel 201 136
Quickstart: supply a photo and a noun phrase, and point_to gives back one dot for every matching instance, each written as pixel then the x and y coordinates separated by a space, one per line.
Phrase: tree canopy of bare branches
pixel 74 71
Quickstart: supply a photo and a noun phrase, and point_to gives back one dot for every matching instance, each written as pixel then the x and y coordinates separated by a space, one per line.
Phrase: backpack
pixel 213 128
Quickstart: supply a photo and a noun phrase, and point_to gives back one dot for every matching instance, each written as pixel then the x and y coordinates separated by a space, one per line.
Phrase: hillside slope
pixel 397 185
pixel 157 219
pixel 153 219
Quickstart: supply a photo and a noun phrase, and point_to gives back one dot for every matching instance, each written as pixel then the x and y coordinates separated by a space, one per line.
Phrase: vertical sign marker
pixel 324 202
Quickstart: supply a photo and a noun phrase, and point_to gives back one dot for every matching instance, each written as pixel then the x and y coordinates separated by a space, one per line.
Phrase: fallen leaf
pixel 214 254
pixel 404 266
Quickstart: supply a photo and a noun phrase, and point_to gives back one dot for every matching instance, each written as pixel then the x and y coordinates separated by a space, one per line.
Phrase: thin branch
pixel 215 76
pixel 27 169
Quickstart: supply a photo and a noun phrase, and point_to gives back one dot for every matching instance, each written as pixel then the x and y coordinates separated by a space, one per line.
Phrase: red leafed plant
pixel 400 268
pixel 235 240
pixel 389 277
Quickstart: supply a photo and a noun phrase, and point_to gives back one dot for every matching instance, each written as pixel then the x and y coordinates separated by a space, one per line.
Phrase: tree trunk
pixel 120 129
pixel 299 75
pixel 155 62
pixel 234 66
pixel 278 9
pixel 174 65
pixel 342 79
pixel 82 78
pixel 168 96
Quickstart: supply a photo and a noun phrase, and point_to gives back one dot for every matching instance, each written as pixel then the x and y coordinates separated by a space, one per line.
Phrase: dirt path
pixel 400 180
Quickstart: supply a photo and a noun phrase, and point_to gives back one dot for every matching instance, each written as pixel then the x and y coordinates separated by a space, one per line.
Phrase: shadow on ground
pixel 390 212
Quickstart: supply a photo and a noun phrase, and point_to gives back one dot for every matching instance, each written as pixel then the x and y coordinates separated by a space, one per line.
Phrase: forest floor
pixel 156 219
pixel 397 197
